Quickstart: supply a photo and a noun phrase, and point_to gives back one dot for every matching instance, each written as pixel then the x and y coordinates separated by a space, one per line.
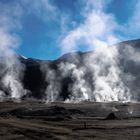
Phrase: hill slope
pixel 106 74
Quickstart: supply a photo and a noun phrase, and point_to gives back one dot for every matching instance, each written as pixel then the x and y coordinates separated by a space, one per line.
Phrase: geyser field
pixel 69 70
pixel 91 95
pixel 107 74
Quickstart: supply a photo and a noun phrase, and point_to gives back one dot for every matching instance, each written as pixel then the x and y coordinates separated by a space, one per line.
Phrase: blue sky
pixel 46 29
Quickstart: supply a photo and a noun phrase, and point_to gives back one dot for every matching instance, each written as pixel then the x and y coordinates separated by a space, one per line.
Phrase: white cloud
pixel 132 27
pixel 97 26
pixel 134 22
pixel 41 8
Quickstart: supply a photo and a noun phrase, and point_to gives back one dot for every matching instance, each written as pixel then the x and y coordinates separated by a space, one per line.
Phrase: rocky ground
pixel 60 121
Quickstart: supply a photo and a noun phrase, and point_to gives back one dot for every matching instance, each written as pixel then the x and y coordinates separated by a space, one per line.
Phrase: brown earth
pixel 60 121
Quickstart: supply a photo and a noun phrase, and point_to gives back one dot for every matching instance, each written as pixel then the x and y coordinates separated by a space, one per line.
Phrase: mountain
pixel 106 74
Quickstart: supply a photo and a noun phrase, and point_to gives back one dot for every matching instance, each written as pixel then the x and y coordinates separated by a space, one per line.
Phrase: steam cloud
pixel 107 81
pixel 11 70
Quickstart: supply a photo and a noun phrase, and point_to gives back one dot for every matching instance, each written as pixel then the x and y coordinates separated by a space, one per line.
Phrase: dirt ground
pixel 60 121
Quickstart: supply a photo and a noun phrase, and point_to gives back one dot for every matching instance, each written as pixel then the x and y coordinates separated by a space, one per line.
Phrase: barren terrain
pixel 61 121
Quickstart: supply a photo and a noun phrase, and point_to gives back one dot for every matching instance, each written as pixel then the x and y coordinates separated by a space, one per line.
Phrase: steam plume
pixel 107 81
pixel 11 69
